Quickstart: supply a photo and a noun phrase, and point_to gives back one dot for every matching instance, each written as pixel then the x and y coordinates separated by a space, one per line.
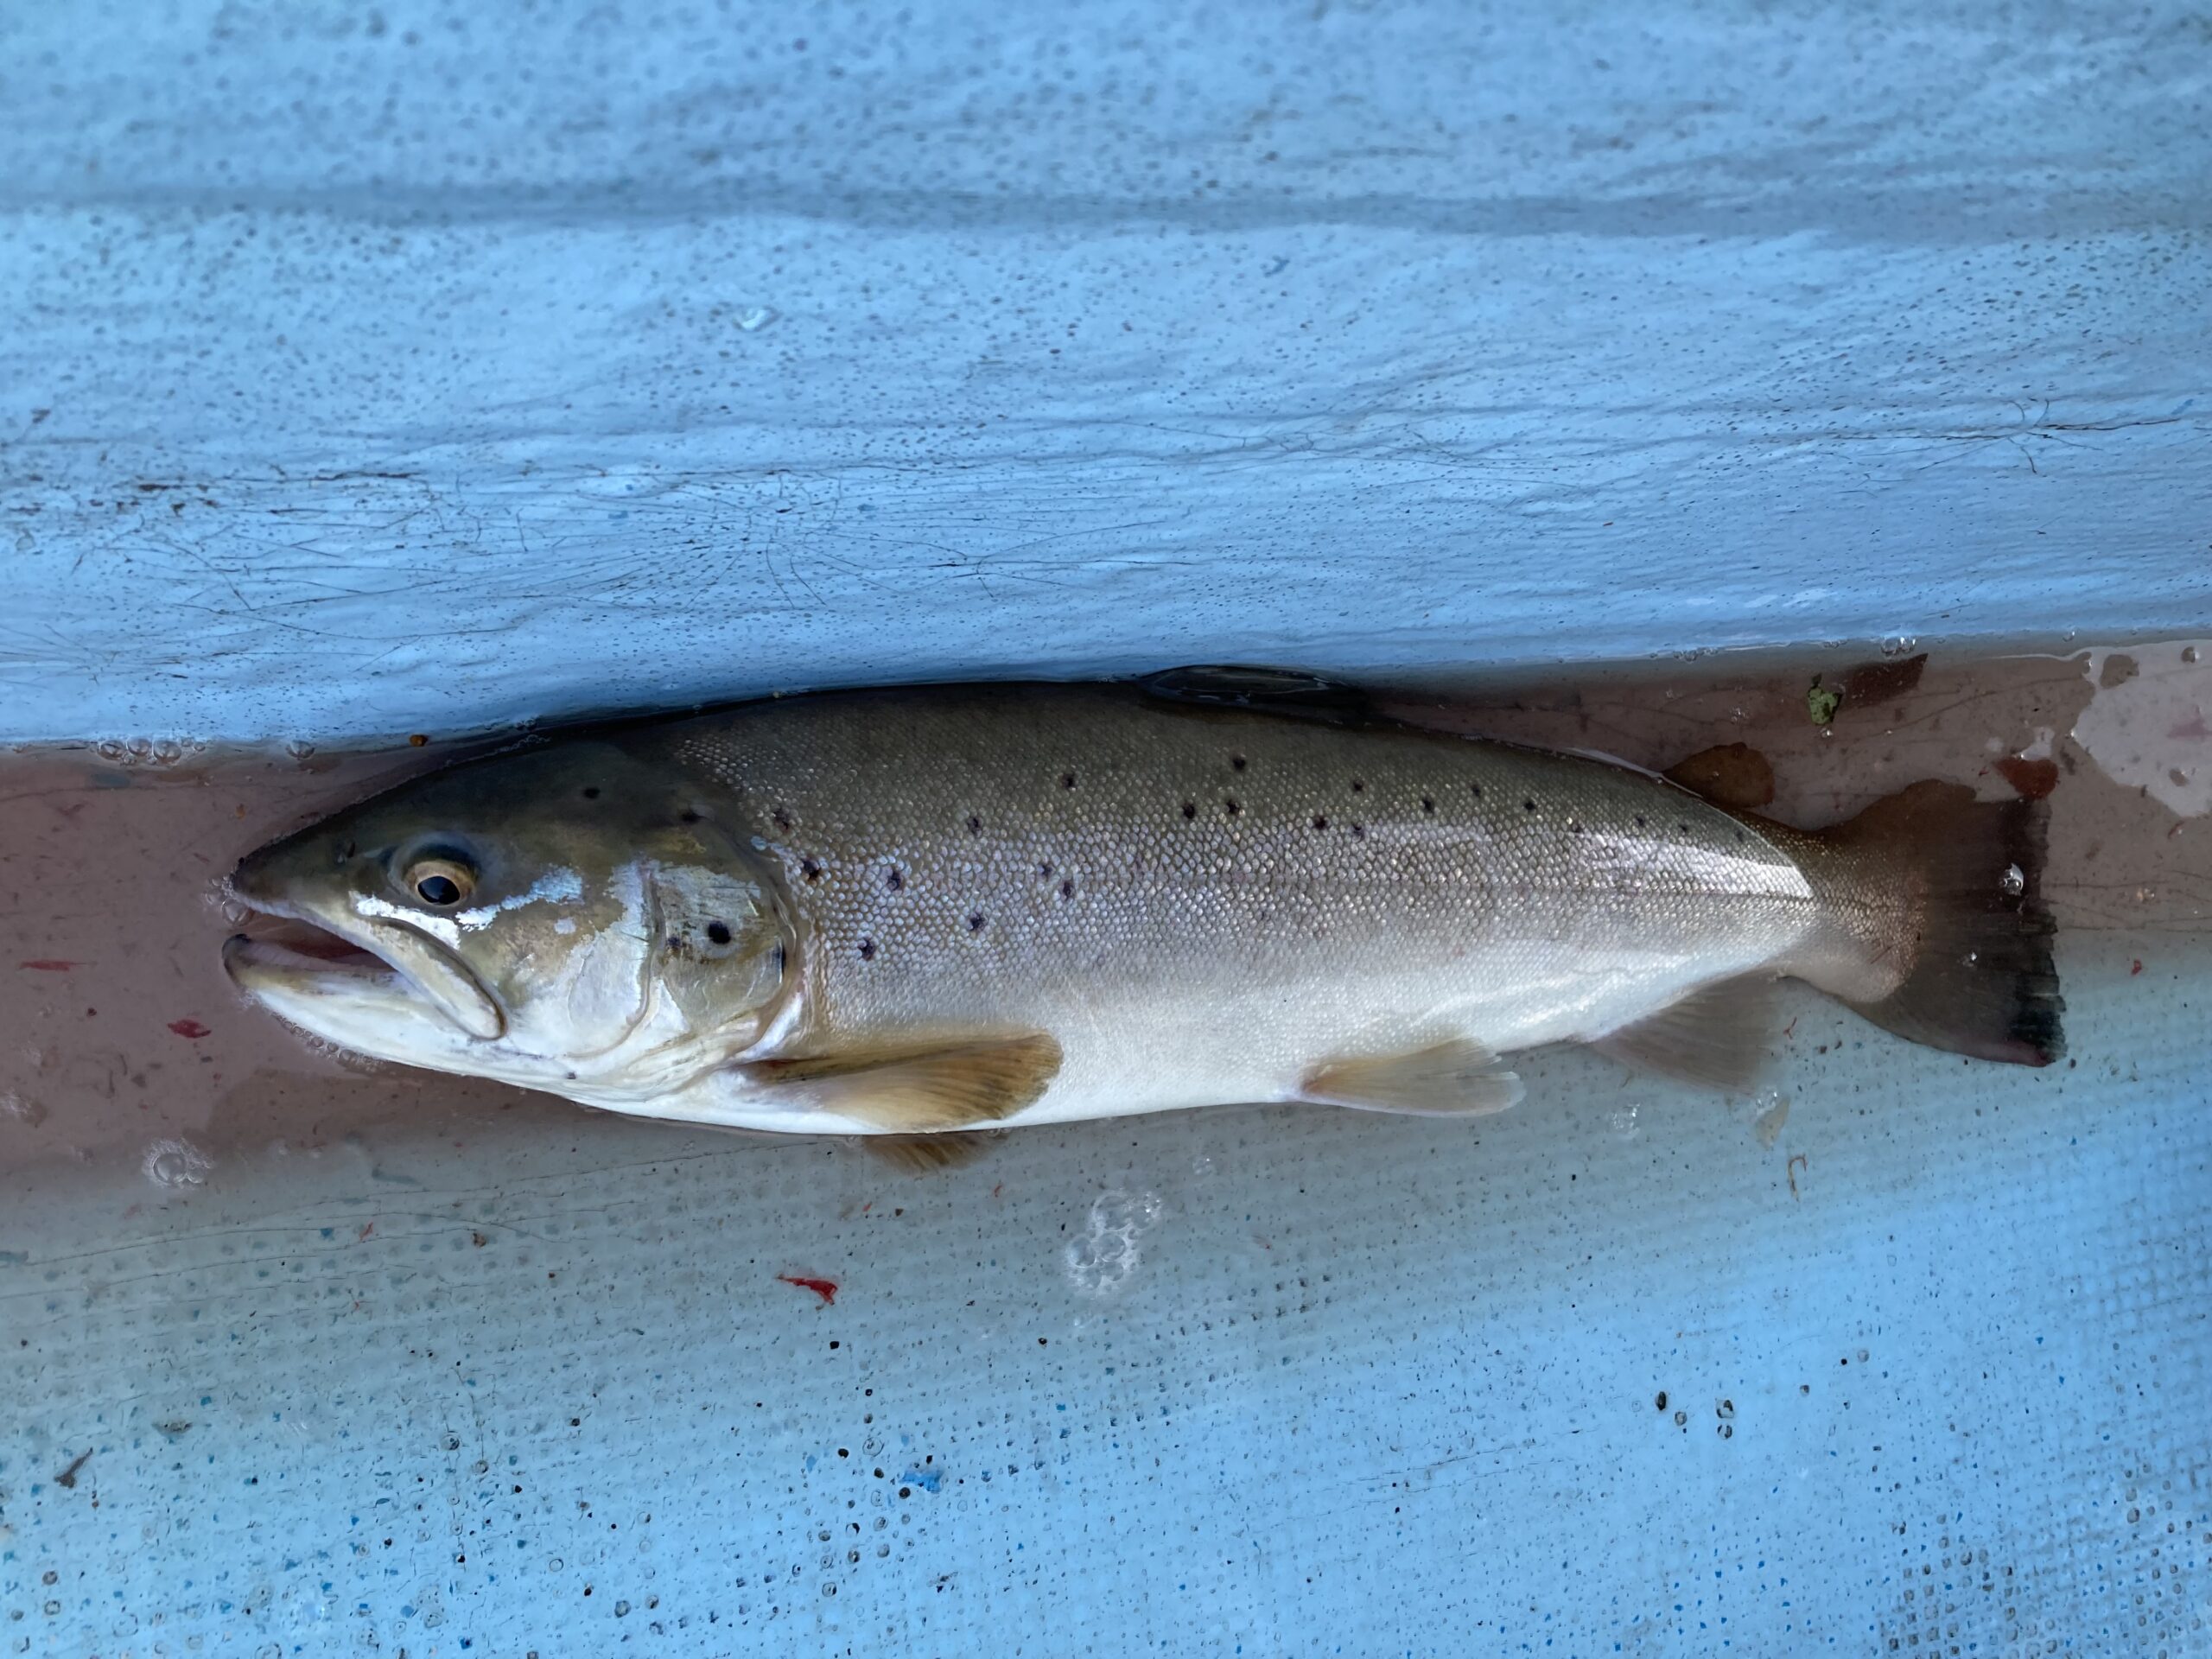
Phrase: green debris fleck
pixel 1821 703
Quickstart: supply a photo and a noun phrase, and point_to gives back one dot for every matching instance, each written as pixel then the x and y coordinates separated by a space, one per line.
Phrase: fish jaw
pixel 370 1009
pixel 372 975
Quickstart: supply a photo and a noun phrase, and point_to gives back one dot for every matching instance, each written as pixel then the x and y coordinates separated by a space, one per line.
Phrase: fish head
pixel 569 918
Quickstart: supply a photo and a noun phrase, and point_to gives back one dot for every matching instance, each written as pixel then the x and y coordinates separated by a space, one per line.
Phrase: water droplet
pixel 754 318
pixel 2014 881
pixel 1899 645
pixel 234 912
pixel 168 752
pixel 108 749
pixel 299 748
pixel 1106 1256
pixel 21 1108
pixel 176 1164
pixel 1623 1122
pixel 140 748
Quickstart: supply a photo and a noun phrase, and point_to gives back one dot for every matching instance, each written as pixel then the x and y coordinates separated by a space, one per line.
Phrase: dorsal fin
pixel 1267 691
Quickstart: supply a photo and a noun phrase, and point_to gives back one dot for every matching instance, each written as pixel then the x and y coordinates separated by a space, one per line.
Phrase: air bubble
pixel 235 913
pixel 21 1108
pixel 299 748
pixel 2014 881
pixel 176 1164
pixel 108 748
pixel 754 318
pixel 1899 645
pixel 1107 1255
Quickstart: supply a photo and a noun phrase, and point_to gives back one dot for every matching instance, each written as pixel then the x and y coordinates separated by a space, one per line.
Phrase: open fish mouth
pixel 385 977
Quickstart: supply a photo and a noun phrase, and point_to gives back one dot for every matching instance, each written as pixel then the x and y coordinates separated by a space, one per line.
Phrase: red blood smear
pixel 2033 779
pixel 825 1288
pixel 191 1028
pixel 48 965
pixel 2137 969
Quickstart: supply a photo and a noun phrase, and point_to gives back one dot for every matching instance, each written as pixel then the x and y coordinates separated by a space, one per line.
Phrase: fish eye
pixel 441 881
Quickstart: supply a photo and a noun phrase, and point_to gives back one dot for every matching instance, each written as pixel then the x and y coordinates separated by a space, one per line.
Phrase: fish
pixel 942 911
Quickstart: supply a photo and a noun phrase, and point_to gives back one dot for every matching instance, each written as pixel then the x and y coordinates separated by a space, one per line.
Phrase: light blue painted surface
pixel 1448 336
pixel 1368 334
pixel 1370 1386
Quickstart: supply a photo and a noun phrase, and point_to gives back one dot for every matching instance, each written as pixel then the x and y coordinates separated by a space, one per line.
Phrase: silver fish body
pixel 957 906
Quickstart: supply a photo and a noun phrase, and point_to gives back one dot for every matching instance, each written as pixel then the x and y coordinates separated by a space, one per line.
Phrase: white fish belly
pixel 1259 1046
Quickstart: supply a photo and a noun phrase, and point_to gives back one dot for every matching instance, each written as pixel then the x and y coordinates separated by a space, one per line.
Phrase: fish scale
pixel 1312 897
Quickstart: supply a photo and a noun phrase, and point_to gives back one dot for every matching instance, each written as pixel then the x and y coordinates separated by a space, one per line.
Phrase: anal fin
pixel 923 1091
pixel 1454 1079
pixel 1719 1036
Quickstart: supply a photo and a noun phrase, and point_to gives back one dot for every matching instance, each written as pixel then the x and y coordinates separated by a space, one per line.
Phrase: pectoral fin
pixel 921 1091
pixel 1454 1079
pixel 925 1155
pixel 1718 1036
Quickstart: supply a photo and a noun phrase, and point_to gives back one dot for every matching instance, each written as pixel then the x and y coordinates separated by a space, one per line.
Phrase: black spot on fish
pixel 1684 828
pixel 1320 822
pixel 1232 808
pixel 1190 808
pixel 893 880
pixel 592 793
pixel 975 921
pixel 975 825
pixel 689 815
pixel 675 945
pixel 1358 787
pixel 1573 828
pixel 1739 835
pixel 1639 820
pixel 1044 870
pixel 1359 831
pixel 1428 802
pixel 1527 806
pixel 810 869
pixel 1237 761
pixel 1475 789
pixel 718 932
pixel 867 950
pixel 1067 889
pixel 783 819
pixel 1067 780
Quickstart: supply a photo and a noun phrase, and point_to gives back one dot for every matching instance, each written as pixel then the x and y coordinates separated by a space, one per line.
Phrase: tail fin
pixel 1942 894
